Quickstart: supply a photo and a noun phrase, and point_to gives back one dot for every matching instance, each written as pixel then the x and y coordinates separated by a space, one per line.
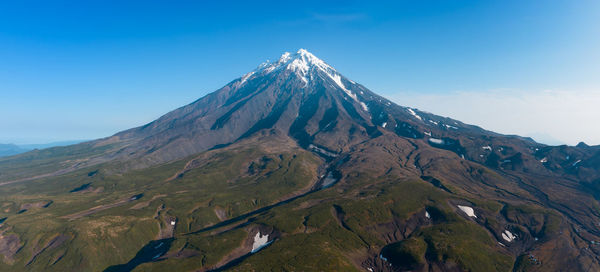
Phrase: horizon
pixel 90 70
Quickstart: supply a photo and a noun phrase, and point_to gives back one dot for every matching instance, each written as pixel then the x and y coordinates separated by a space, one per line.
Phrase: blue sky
pixel 88 69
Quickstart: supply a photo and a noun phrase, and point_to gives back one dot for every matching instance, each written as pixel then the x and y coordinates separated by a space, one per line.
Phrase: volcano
pixel 295 167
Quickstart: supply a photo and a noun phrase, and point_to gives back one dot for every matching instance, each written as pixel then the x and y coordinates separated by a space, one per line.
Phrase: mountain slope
pixel 299 93
pixel 295 167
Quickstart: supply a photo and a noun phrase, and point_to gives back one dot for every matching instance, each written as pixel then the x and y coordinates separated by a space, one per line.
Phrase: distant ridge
pixel 13 149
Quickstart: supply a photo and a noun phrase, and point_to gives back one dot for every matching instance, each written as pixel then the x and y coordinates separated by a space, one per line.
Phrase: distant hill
pixel 52 144
pixel 12 149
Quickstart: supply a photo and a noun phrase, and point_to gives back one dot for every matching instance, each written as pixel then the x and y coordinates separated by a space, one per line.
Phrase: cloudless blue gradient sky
pixel 88 69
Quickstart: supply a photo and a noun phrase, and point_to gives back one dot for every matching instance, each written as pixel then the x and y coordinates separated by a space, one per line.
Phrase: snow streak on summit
pixel 301 62
pixel 306 66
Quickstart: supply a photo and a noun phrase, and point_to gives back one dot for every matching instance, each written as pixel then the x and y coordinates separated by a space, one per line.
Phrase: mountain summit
pixel 302 62
pixel 307 67
pixel 299 95
pixel 295 167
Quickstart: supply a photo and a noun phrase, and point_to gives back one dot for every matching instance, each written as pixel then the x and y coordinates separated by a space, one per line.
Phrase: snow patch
pixel 259 242
pixel 384 124
pixel 427 214
pixel 433 122
pixel 577 162
pixel 301 67
pixel 412 112
pixel 328 181
pixel 321 150
pixel 364 106
pixel 436 141
pixel 487 148
pixel 338 80
pixel 270 69
pixel 285 57
pixel 508 236
pixel 467 210
pixel 544 160
pixel 427 133
pixel 245 78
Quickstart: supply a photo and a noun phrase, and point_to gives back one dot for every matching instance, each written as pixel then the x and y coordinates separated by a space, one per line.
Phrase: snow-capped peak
pixel 303 64
pixel 310 59
pixel 302 61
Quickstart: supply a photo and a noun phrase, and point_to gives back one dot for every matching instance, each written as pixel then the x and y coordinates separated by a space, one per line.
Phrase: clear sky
pixel 88 69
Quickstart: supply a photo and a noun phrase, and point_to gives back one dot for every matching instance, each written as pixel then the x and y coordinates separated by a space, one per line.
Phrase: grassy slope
pixel 45 161
pixel 114 235
pixel 238 180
